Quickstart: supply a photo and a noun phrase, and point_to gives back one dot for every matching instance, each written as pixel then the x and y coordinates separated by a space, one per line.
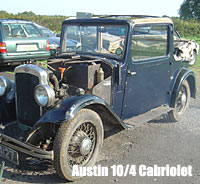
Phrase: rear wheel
pixel 182 102
pixel 78 142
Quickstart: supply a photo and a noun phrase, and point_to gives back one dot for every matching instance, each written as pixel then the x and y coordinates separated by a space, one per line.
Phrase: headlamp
pixel 44 95
pixel 5 85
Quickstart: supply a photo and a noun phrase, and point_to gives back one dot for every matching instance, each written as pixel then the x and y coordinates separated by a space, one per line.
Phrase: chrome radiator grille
pixel 26 78
pixel 28 112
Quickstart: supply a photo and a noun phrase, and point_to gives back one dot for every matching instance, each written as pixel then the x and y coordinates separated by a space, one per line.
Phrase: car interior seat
pixel 6 31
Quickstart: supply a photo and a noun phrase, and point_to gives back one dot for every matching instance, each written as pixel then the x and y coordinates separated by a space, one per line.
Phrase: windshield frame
pixel 99 24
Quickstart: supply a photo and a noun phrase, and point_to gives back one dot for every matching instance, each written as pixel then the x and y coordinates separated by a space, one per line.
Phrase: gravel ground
pixel 157 142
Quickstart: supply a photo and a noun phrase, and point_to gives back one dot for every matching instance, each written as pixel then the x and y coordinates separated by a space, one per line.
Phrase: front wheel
pixel 78 142
pixel 182 102
pixel 193 58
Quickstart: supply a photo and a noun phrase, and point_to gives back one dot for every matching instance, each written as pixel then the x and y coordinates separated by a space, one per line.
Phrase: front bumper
pixel 26 148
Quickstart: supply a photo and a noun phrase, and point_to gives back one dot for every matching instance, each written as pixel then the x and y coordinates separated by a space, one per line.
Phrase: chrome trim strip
pixel 34 70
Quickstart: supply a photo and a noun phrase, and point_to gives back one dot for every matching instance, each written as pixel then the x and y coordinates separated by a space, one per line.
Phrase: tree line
pixel 184 27
pixel 51 22
pixel 189 22
pixel 187 27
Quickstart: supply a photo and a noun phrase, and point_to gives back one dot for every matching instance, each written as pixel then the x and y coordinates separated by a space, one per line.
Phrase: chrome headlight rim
pixel 6 85
pixel 50 94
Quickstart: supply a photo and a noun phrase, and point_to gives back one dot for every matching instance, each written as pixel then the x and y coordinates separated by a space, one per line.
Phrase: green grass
pixel 196 67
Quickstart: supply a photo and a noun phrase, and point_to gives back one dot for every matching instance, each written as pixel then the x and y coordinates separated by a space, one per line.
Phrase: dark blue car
pixel 54 41
pixel 124 72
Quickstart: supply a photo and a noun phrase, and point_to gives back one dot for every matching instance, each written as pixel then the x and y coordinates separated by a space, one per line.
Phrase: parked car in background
pixel 54 41
pixel 20 41
pixel 185 49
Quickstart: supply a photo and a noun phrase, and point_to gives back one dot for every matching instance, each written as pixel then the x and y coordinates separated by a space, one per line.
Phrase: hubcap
pixel 85 146
pixel 183 98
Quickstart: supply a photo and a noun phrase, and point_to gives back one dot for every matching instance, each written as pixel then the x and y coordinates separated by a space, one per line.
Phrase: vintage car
pixel 20 41
pixel 64 106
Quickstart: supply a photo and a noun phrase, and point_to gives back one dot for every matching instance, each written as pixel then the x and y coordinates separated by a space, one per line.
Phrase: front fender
pixel 68 108
pixel 183 74
pixel 7 106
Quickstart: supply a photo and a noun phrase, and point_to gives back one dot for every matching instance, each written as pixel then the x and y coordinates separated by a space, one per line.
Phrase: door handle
pixel 131 73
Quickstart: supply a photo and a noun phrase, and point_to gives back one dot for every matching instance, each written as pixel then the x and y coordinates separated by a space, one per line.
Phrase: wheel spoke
pixel 85 131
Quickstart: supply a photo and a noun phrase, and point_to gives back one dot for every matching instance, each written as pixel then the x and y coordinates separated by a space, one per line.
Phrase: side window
pixel 149 42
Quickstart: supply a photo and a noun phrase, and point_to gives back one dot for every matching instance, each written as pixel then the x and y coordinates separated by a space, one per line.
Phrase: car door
pixel 149 70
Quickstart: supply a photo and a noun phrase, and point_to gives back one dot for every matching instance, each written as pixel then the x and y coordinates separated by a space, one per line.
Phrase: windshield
pixel 96 40
pixel 20 30
pixel 47 33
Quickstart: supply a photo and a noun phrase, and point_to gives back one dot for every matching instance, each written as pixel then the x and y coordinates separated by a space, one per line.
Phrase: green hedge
pixel 187 28
pixel 52 22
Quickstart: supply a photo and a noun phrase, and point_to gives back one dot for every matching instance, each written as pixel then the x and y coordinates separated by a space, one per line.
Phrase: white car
pixel 185 49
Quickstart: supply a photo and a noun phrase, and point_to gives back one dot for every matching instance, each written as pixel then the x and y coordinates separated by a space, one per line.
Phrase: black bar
pixel 33 154
pixel 25 148
pixel 132 16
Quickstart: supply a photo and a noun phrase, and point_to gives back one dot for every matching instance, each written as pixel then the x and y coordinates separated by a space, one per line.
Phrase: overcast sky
pixel 70 7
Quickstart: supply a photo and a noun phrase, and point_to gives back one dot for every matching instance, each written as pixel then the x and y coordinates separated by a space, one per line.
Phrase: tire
pixel 182 102
pixel 78 142
pixel 193 58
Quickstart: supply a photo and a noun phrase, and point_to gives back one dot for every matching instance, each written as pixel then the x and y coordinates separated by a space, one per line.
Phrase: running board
pixel 138 120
